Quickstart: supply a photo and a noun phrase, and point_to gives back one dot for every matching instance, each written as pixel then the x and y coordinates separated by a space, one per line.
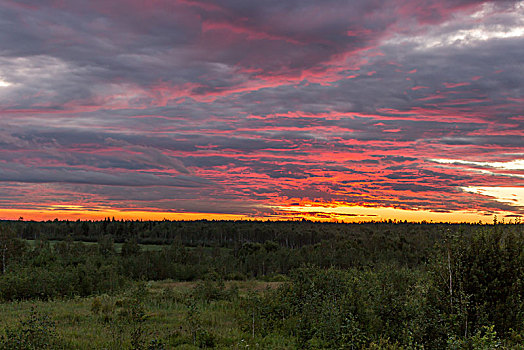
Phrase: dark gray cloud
pixel 47 174
pixel 234 106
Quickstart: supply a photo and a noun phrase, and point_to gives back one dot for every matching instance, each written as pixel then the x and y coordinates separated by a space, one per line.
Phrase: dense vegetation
pixel 333 286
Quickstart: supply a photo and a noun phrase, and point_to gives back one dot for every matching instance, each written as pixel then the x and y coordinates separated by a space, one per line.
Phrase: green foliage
pixel 377 285
pixel 130 247
pixel 212 288
pixel 106 245
pixel 33 332
pixel 51 281
pixel 478 280
pixel 485 339
pixel 11 248
pixel 125 317
pixel 200 336
pixel 104 307
pixel 345 309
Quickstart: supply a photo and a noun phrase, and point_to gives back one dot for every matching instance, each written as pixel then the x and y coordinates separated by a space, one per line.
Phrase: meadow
pixel 153 315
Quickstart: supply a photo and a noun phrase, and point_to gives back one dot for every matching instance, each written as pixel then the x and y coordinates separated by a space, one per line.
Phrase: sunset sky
pixel 327 110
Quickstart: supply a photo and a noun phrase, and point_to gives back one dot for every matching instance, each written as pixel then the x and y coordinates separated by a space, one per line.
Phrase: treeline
pixel 413 285
pixel 291 234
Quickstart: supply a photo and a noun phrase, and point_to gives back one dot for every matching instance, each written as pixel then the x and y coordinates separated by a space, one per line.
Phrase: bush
pixel 337 309
pixel 31 333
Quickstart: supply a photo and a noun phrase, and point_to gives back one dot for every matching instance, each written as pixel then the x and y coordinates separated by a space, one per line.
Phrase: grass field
pixel 118 246
pixel 158 315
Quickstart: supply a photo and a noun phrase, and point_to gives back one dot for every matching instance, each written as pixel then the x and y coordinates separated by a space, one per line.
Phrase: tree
pixel 130 247
pixel 478 281
pixel 7 245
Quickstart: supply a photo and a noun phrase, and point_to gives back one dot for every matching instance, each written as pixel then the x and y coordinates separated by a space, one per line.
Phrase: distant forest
pixel 291 234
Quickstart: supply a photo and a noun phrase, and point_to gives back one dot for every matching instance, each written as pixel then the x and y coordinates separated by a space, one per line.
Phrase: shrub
pixel 34 332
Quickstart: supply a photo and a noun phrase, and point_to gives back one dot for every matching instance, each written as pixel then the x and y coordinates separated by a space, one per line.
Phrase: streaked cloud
pixel 516 164
pixel 264 109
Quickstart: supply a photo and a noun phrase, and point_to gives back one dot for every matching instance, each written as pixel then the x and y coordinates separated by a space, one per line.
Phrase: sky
pixel 326 110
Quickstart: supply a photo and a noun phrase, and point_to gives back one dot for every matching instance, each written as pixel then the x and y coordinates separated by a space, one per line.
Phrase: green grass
pixel 73 318
pixel 166 306
pixel 118 246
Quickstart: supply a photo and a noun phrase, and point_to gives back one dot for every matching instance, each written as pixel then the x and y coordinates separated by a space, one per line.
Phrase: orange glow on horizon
pixel 60 214
pixel 319 213
pixel 363 214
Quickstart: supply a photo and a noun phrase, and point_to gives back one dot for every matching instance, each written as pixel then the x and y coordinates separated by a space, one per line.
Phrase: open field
pixel 169 316
pixel 118 246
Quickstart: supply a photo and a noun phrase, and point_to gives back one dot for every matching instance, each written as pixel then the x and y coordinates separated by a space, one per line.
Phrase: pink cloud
pixel 454 85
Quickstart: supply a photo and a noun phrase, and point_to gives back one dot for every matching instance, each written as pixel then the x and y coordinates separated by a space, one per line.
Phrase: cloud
pixel 232 106
pixel 26 174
